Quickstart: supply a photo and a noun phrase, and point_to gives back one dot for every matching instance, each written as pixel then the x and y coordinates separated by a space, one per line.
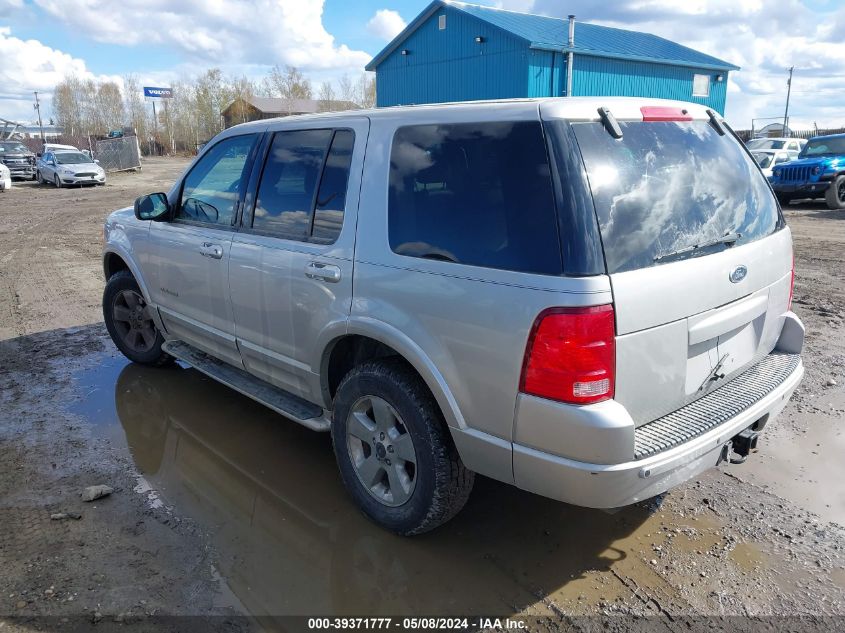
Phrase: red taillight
pixel 663 113
pixel 791 283
pixel 571 355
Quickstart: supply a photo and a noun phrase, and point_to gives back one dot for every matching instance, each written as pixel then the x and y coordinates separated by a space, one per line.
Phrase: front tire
pixel 784 199
pixel 57 181
pixel 394 451
pixel 835 194
pixel 130 323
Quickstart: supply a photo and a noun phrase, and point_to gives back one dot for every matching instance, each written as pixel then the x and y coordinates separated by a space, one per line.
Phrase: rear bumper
pixel 615 485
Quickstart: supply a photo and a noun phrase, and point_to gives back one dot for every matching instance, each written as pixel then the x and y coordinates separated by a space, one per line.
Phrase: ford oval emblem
pixel 738 274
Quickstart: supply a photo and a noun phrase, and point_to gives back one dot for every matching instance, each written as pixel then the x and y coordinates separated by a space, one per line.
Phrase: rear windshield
pixel 474 193
pixel 666 187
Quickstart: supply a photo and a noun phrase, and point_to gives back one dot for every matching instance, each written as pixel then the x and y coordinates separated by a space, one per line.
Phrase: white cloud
pixel 9 7
pixel 220 32
pixel 29 65
pixel 386 24
pixel 764 38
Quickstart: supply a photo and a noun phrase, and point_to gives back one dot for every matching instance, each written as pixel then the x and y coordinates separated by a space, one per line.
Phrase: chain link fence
pixel 118 154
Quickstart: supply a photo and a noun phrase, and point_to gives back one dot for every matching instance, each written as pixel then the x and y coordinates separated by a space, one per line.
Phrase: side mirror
pixel 153 207
pixel 97 161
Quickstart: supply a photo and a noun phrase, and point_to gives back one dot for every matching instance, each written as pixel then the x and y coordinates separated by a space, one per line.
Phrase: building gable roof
pixel 547 33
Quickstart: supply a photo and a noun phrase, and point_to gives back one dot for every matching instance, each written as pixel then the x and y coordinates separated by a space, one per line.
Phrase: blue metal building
pixel 461 52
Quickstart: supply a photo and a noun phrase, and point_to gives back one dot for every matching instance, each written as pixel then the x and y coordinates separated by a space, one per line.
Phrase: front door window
pixel 213 187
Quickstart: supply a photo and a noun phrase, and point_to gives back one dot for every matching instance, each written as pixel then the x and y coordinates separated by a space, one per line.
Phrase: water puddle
pixel 289 540
pixel 806 469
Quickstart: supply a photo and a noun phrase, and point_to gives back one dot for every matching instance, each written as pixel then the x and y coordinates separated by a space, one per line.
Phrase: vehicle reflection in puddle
pixel 290 542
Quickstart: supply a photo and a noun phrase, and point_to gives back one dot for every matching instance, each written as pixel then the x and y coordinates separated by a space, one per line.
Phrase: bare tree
pixel 346 89
pixel 136 111
pixel 212 95
pixel 327 99
pixel 365 91
pixel 242 92
pixel 66 107
pixel 289 83
pixel 109 107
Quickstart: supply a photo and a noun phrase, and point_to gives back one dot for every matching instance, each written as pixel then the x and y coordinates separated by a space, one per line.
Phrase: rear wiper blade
pixel 728 238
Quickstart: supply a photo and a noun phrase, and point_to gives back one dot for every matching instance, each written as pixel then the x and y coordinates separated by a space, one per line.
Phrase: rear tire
pixel 835 194
pixel 130 323
pixel 784 199
pixel 388 430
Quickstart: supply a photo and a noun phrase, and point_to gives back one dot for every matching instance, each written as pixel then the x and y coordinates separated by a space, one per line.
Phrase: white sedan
pixel 5 178
pixel 64 168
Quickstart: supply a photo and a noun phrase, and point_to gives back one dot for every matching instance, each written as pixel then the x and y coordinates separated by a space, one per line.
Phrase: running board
pixel 300 410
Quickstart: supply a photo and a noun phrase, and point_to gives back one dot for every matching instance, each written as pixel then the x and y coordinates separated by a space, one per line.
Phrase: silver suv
pixel 588 298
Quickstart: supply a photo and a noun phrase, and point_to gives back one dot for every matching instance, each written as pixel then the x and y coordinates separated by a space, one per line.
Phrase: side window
pixel 213 187
pixel 286 193
pixel 701 85
pixel 478 194
pixel 302 194
pixel 331 198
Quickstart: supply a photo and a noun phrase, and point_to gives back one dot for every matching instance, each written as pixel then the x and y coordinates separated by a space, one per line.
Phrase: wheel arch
pixel 116 259
pixel 367 339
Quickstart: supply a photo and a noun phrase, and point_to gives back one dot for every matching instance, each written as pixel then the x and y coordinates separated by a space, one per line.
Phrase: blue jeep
pixel 819 171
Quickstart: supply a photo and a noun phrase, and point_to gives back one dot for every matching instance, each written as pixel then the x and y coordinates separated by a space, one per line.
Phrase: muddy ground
pixel 221 509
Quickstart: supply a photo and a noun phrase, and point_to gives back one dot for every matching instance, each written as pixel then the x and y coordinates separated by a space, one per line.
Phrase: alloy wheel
pixel 382 451
pixel 133 322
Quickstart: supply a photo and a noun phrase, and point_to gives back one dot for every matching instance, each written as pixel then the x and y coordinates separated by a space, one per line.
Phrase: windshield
pixel 765 143
pixel 14 148
pixel 822 146
pixel 763 158
pixel 71 158
pixel 668 186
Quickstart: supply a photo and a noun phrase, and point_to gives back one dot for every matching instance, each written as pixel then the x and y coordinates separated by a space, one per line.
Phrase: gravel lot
pixel 222 509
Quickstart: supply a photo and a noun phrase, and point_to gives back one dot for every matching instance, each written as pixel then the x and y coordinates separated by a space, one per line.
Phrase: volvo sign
pixel 158 93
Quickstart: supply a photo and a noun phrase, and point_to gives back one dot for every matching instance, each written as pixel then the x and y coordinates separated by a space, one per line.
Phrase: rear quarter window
pixel 667 186
pixel 477 194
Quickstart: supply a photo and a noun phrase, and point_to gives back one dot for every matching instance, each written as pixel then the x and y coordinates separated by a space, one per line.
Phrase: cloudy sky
pixel 161 40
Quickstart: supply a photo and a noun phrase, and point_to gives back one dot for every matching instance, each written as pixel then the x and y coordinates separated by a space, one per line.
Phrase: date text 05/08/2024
pixel 420 624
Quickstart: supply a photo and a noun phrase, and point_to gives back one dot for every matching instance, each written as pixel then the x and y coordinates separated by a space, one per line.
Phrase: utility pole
pixel 788 92
pixel 38 109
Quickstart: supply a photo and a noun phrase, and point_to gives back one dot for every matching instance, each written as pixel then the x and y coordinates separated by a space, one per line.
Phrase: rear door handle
pixel 215 251
pixel 325 272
